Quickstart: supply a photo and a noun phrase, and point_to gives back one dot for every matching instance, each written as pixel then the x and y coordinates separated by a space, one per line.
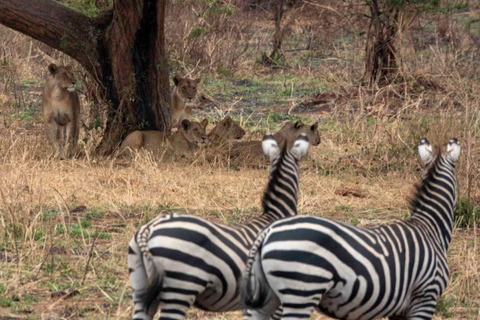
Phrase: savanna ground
pixel 64 225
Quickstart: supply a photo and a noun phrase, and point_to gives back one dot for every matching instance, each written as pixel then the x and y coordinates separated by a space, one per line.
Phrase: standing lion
pixel 61 110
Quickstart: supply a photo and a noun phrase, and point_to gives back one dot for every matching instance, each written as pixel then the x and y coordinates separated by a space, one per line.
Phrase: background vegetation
pixel 64 225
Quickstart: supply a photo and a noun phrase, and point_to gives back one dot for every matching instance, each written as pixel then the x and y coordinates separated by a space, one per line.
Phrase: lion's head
pixel 194 132
pixel 227 129
pixel 62 76
pixel 312 133
pixel 291 130
pixel 186 88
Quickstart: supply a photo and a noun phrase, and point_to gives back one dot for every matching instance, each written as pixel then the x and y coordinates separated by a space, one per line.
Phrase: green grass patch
pixel 444 306
pixel 467 213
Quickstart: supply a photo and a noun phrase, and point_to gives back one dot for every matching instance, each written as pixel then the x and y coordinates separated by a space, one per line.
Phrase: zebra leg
pixel 278 314
pixel 138 281
pixel 422 308
pixel 270 311
pixel 255 315
pixel 297 312
pixel 175 308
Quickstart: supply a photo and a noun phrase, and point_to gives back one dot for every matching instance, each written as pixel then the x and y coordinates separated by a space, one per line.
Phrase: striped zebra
pixel 397 270
pixel 178 260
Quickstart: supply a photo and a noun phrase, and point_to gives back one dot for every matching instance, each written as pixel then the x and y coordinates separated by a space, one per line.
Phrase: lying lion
pixel 225 130
pixel 189 136
pixel 286 135
pixel 182 100
pixel 61 110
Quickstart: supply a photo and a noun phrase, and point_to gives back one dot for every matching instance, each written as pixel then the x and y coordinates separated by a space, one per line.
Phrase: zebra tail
pixel 154 270
pixel 256 291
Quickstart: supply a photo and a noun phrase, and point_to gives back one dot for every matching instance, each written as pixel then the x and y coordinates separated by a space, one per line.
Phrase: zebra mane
pixel 275 176
pixel 420 188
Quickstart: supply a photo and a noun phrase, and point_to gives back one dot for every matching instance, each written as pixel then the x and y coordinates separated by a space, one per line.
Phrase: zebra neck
pixel 280 197
pixel 272 216
pixel 434 205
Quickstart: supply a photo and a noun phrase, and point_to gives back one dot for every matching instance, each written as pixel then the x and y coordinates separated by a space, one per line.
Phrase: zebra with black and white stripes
pixel 398 270
pixel 179 260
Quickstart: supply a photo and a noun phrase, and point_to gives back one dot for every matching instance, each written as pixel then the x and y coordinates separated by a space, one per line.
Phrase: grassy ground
pixel 64 225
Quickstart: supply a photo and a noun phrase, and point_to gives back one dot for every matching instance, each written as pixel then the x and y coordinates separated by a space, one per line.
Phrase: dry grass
pixel 48 247
pixel 64 225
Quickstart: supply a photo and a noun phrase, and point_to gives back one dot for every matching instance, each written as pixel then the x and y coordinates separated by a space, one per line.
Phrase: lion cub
pixel 190 135
pixel 226 130
pixel 181 103
pixel 61 110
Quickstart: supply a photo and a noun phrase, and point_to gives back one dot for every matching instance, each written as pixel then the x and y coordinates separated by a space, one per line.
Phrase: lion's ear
pixel 186 124
pixel 298 124
pixel 228 122
pixel 177 78
pixel 204 123
pixel 52 68
pixel 314 126
pixel 197 81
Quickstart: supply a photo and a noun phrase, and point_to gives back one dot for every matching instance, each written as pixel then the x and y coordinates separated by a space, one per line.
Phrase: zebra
pixel 179 260
pixel 398 270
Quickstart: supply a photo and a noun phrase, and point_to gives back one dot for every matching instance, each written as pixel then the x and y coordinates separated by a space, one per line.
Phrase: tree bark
pixel 123 50
pixel 278 11
pixel 380 59
pixel 55 25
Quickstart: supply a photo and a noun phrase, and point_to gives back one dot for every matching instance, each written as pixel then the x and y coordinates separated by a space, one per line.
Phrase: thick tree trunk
pixel 123 50
pixel 380 59
pixel 135 42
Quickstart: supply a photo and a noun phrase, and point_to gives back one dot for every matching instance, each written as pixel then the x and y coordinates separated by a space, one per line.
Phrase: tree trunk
pixel 278 11
pixel 123 50
pixel 380 59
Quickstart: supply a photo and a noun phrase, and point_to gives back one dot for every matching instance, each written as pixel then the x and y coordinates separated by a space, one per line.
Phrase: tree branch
pixel 55 25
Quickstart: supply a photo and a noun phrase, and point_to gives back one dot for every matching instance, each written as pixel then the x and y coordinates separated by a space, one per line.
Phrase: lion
pixel 291 130
pixel 189 136
pixel 181 103
pixel 61 110
pixel 285 136
pixel 225 130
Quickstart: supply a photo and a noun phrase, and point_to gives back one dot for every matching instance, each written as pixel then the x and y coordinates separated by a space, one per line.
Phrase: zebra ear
pixel 270 146
pixel 453 149
pixel 300 146
pixel 425 151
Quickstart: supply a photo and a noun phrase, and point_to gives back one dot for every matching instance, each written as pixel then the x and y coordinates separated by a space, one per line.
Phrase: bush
pixel 466 214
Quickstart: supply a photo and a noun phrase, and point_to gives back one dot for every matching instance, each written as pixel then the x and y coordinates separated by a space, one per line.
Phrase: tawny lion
pixel 61 110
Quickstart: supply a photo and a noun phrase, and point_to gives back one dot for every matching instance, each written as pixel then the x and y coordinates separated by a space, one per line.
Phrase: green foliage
pixel 49 214
pixel 277 117
pixel 217 7
pixel 196 33
pixel 87 7
pixel 467 213
pixel 444 305
pixel 5 302
pixel 28 113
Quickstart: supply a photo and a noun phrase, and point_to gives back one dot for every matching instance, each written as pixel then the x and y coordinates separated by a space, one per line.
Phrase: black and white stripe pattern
pixel 397 270
pixel 178 260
